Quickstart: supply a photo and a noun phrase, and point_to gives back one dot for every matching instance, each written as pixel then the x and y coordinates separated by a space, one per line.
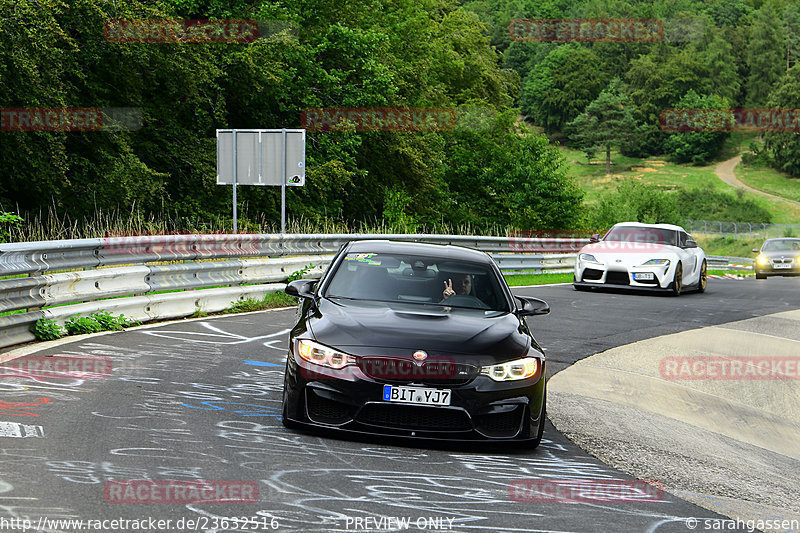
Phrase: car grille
pixel 592 274
pixel 784 261
pixel 434 372
pixel 413 417
pixel 501 424
pixel 326 411
pixel 617 278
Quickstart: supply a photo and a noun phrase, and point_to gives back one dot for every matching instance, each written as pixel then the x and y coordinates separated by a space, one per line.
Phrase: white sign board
pixel 260 157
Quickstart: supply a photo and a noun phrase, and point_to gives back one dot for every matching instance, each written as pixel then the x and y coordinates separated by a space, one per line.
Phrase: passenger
pixel 462 285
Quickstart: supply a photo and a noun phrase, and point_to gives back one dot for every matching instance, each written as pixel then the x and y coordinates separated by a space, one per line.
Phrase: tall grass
pixel 51 225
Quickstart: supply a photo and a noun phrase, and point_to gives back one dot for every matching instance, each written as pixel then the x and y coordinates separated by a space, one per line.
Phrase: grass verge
pixel 270 301
pixel 515 280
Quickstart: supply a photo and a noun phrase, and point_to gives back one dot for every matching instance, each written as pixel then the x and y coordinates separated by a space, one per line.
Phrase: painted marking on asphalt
pixel 20 431
pixel 261 363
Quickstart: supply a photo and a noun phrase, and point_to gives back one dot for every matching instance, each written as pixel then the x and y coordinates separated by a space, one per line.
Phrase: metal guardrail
pixel 204 272
pixel 128 275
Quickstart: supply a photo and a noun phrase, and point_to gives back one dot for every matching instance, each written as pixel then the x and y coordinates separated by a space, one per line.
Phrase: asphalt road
pixel 200 400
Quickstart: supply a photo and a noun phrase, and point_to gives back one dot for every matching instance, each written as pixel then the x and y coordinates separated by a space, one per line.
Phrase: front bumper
pixel 773 268
pixel 589 274
pixel 480 410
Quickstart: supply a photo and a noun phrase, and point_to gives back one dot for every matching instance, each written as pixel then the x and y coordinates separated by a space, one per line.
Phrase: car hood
pixel 782 253
pixel 359 327
pixel 629 253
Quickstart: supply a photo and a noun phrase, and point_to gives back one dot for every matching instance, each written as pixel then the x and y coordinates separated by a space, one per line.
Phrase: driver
pixel 458 284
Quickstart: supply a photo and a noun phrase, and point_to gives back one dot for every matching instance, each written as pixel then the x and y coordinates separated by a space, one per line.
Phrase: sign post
pixel 274 157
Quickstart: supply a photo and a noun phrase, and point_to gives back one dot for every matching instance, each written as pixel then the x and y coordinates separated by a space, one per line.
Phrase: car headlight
pixel 588 258
pixel 513 370
pixel 651 262
pixel 319 354
pixel 762 260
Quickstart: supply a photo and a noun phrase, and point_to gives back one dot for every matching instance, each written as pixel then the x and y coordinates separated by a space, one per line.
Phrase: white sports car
pixel 643 257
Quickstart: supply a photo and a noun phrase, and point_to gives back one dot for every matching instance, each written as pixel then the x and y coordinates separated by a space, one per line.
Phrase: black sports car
pixel 778 257
pixel 415 340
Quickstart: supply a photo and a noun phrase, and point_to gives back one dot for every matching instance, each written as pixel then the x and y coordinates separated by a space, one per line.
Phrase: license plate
pixel 782 265
pixel 418 395
pixel 643 275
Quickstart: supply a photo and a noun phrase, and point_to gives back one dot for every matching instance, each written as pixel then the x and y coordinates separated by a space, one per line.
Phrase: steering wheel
pixel 465 300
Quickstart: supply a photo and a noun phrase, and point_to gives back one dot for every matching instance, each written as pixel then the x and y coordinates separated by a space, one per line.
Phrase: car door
pixel 689 258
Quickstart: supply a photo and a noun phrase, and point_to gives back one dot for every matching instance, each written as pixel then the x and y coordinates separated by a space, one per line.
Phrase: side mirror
pixel 594 238
pixel 691 244
pixel 756 250
pixel 532 306
pixel 301 288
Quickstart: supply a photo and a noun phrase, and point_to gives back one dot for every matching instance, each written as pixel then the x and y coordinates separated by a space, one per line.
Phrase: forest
pixel 498 166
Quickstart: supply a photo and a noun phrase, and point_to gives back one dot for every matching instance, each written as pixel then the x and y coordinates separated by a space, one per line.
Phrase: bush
pixel 757 157
pixel 47 330
pixel 633 201
pixel 298 274
pixel 78 325
pixel 707 203
pixel 6 221
pixel 110 322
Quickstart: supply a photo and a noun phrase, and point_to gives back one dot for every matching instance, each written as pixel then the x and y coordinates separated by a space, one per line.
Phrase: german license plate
pixel 418 395
pixel 643 275
pixel 782 265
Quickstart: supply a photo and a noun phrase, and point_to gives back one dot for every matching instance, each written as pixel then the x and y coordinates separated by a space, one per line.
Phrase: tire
pixel 761 276
pixel 288 424
pixel 677 281
pixel 533 444
pixel 703 281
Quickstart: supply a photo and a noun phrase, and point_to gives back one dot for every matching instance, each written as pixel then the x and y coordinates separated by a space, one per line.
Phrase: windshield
pixel 782 245
pixel 644 235
pixel 417 280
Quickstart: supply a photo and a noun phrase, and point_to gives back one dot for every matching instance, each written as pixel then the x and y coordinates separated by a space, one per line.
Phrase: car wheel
pixel 760 276
pixel 538 439
pixel 701 285
pixel 677 282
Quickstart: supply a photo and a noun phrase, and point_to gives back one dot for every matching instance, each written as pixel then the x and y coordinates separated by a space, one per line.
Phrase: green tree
pixel 561 86
pixel 607 122
pixel 658 80
pixel 505 175
pixel 766 53
pixel 785 146
pixel 721 66
pixel 697 146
